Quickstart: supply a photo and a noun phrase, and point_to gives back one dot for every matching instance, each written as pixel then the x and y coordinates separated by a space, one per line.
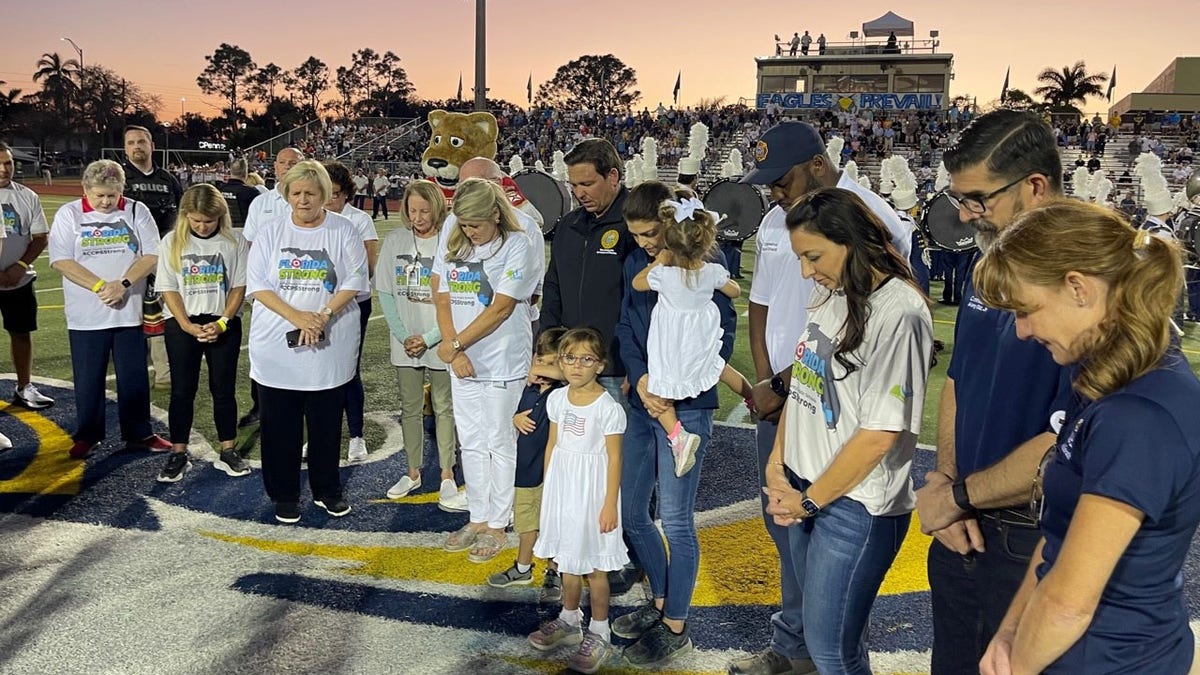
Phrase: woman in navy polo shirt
pixel 1119 493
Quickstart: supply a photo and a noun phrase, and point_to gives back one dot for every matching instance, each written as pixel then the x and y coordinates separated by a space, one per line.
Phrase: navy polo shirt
pixel 1005 388
pixel 531 447
pixel 1139 445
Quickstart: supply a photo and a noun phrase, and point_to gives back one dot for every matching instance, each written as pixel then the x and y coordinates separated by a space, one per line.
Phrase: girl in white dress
pixel 580 525
pixel 684 343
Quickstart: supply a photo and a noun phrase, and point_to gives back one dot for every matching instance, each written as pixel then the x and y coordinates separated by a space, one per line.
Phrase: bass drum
pixel 741 206
pixel 943 228
pixel 549 195
pixel 1187 230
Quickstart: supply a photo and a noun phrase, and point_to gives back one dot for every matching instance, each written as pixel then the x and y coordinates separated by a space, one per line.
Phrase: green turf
pixel 52 355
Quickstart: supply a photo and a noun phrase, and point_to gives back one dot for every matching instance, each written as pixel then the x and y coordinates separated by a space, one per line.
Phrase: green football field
pixel 52 354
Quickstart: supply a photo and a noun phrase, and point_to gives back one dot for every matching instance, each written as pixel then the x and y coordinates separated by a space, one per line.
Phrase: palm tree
pixel 1063 87
pixel 58 79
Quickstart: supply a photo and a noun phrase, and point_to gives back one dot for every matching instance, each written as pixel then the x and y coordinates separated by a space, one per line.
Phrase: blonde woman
pixel 104 245
pixel 1118 495
pixel 481 277
pixel 403 283
pixel 202 279
pixel 304 271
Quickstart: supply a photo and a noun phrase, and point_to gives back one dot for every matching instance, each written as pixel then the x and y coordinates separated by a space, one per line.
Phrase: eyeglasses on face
pixel 979 205
pixel 585 360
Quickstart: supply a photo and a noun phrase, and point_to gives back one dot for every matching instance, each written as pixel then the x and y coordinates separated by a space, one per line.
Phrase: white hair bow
pixel 685 209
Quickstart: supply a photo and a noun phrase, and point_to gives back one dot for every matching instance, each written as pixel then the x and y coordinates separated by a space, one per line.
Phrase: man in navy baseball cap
pixel 781 148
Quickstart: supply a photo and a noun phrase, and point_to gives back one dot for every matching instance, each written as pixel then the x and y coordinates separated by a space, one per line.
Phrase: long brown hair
pixel 843 218
pixel 1144 274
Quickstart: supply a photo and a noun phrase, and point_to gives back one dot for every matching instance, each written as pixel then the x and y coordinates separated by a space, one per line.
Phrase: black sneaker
pixel 287 512
pixel 249 419
pixel 232 463
pixel 334 507
pixel 658 645
pixel 633 625
pixel 177 464
pixel 551 587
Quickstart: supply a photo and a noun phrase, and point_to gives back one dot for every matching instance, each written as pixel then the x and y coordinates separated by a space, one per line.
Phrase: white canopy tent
pixel 888 23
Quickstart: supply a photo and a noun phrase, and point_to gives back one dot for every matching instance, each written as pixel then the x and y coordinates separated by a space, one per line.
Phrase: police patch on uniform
pixel 760 151
pixel 609 239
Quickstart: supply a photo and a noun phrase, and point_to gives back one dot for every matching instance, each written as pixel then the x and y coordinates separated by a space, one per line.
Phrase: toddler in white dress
pixel 684 343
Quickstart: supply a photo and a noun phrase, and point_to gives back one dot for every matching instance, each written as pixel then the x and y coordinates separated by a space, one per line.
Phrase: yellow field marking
pixel 52 471
pixel 739 565
pixel 424 498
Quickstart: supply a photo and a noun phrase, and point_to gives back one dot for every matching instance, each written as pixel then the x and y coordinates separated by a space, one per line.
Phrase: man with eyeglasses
pixel 997 413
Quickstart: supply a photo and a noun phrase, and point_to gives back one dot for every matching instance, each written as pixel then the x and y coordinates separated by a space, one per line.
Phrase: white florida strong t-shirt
pixel 106 244
pixel 500 267
pixel 886 392
pixel 305 267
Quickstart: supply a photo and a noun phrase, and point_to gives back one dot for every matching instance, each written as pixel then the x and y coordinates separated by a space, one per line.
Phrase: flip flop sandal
pixel 461 540
pixel 487 546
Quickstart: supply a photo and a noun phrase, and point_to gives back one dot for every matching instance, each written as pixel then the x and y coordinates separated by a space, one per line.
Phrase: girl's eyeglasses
pixel 587 360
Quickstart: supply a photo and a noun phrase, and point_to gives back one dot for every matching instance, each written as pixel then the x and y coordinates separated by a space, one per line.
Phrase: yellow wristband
pixel 98 286
pixel 24 264
pixel 222 323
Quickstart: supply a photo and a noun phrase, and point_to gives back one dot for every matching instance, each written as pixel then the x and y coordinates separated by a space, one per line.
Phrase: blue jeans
pixel 787 625
pixel 970 594
pixel 90 350
pixel 841 557
pixel 646 461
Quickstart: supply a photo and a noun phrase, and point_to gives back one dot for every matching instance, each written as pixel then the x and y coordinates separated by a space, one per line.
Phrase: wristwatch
pixel 327 311
pixel 126 283
pixel 961 498
pixel 778 387
pixel 810 507
pixel 455 344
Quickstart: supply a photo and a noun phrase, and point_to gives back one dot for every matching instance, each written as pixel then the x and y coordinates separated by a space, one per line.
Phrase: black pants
pixel 355 395
pixel 285 415
pixel 971 593
pixel 379 203
pixel 185 352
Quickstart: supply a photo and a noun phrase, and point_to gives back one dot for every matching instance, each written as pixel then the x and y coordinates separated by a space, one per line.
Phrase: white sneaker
pixel 403 486
pixel 357 451
pixel 450 499
pixel 684 448
pixel 31 398
pixel 5 443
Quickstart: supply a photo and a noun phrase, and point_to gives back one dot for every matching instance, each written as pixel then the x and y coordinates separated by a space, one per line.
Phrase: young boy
pixel 534 429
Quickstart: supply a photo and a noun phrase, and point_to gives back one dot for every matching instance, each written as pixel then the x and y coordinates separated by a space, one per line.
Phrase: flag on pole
pixel 529 89
pixel 1112 84
pixel 459 95
pixel 1004 89
pixel 678 79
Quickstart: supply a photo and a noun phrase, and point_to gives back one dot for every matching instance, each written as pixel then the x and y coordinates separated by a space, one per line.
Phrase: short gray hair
pixel 104 173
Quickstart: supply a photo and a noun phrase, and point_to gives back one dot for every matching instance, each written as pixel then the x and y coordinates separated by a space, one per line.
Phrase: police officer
pixel 155 187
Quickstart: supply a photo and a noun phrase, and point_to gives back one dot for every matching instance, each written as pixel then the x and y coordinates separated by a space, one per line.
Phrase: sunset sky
pixel 161 45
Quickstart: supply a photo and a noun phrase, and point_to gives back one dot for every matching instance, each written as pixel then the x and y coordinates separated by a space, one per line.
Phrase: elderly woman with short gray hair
pixel 104 245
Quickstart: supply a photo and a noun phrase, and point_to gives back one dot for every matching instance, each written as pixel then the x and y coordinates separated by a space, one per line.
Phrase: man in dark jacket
pixel 583 285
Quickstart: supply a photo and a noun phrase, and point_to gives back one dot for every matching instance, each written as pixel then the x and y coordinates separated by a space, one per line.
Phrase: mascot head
pixel 453 139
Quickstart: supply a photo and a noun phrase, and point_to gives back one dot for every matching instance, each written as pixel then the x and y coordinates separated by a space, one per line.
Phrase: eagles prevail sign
pixel 793 100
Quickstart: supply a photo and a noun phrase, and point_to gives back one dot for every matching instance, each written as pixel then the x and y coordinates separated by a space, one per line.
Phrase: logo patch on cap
pixel 760 151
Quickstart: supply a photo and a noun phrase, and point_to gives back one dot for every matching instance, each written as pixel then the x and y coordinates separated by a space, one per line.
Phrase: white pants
pixel 483 413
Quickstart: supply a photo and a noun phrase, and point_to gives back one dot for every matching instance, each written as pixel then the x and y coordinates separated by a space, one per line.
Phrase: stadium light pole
pixel 480 55
pixel 78 50
pixel 182 100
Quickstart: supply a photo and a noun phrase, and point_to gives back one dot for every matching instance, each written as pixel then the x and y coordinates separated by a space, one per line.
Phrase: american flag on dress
pixel 574 423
